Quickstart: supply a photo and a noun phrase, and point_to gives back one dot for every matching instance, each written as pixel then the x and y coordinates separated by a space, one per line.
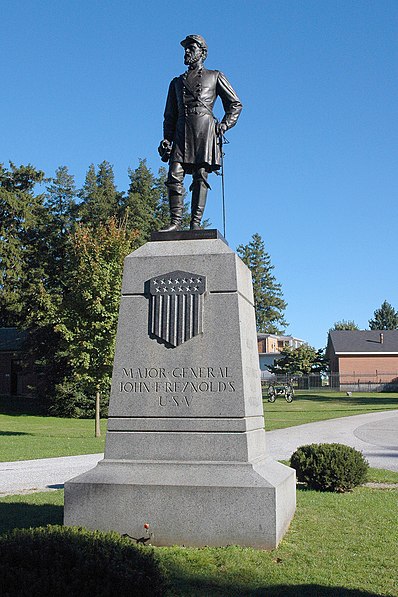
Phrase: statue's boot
pixel 198 203
pixel 176 202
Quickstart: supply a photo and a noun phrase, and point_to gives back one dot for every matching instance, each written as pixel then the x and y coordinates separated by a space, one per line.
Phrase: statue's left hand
pixel 221 128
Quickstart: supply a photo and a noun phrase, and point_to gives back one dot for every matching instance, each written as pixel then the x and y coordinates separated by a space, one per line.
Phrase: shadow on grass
pixel 197 588
pixel 22 515
pixel 7 433
pixel 361 400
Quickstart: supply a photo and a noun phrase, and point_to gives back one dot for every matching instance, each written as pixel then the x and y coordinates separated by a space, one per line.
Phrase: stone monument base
pixel 185 446
pixel 192 504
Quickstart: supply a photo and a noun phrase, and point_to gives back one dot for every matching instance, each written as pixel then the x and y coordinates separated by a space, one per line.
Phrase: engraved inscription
pixel 145 372
pixel 177 386
pixel 185 372
pixel 173 401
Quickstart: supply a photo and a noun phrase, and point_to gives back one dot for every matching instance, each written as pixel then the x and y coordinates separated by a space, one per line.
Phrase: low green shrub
pixel 69 561
pixel 329 467
pixel 74 400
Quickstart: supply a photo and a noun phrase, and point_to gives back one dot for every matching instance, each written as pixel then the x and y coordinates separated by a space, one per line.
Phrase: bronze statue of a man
pixel 191 142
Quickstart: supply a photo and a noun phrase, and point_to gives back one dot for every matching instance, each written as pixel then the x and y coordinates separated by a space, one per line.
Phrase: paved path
pixel 27 476
pixel 375 434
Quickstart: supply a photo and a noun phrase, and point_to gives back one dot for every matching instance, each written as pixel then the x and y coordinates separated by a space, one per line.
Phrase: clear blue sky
pixel 312 164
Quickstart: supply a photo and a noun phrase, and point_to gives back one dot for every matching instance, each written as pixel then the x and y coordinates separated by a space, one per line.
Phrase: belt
pixel 196 111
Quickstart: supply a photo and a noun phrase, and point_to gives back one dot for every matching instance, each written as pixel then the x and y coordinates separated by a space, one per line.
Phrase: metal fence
pixel 364 382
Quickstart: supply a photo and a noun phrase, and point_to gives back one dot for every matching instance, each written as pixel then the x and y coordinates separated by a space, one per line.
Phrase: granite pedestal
pixel 185 446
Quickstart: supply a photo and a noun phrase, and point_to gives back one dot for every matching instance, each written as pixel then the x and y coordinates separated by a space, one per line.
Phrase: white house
pixel 269 348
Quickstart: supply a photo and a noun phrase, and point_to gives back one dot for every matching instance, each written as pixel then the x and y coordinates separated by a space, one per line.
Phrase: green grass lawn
pixel 26 434
pixel 30 437
pixel 340 545
pixel 309 407
pixel 379 475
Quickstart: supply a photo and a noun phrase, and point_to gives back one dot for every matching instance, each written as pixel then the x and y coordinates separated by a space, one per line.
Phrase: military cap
pixel 196 38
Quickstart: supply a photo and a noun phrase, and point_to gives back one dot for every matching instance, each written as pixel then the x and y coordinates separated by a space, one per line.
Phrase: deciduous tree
pixel 87 317
pixel 344 325
pixel 300 361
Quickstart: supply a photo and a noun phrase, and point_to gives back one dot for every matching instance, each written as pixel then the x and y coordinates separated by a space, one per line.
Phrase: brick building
pixel 363 357
pixel 15 379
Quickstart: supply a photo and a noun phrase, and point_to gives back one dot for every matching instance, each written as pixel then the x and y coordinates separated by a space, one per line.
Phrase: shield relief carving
pixel 176 306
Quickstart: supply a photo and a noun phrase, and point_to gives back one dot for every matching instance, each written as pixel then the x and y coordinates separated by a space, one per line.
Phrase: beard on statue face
pixel 192 54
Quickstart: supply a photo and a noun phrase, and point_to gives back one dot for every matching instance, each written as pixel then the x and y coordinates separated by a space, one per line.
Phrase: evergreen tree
pixel 162 211
pixel 90 187
pixel 268 300
pixel 100 198
pixel 20 212
pixel 39 286
pixel 61 199
pixel 143 201
pixel 385 318
pixel 59 221
pixel 45 253
pixel 32 242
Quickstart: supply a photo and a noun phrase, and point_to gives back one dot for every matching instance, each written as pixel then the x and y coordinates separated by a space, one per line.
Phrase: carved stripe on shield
pixel 176 306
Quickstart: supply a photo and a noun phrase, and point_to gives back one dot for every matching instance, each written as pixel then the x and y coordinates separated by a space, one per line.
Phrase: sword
pixel 223 141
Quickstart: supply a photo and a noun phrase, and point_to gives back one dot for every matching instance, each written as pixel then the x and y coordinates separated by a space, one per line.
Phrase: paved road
pixel 375 434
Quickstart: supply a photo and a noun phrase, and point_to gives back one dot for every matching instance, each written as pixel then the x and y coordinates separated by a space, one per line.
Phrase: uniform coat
pixel 190 125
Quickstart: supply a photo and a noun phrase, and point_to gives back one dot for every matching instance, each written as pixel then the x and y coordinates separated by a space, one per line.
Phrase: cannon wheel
pixel 289 393
pixel 271 394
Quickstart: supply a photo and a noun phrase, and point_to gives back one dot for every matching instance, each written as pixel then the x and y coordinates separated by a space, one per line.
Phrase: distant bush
pixel 72 399
pixel 329 467
pixel 69 561
pixel 391 386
